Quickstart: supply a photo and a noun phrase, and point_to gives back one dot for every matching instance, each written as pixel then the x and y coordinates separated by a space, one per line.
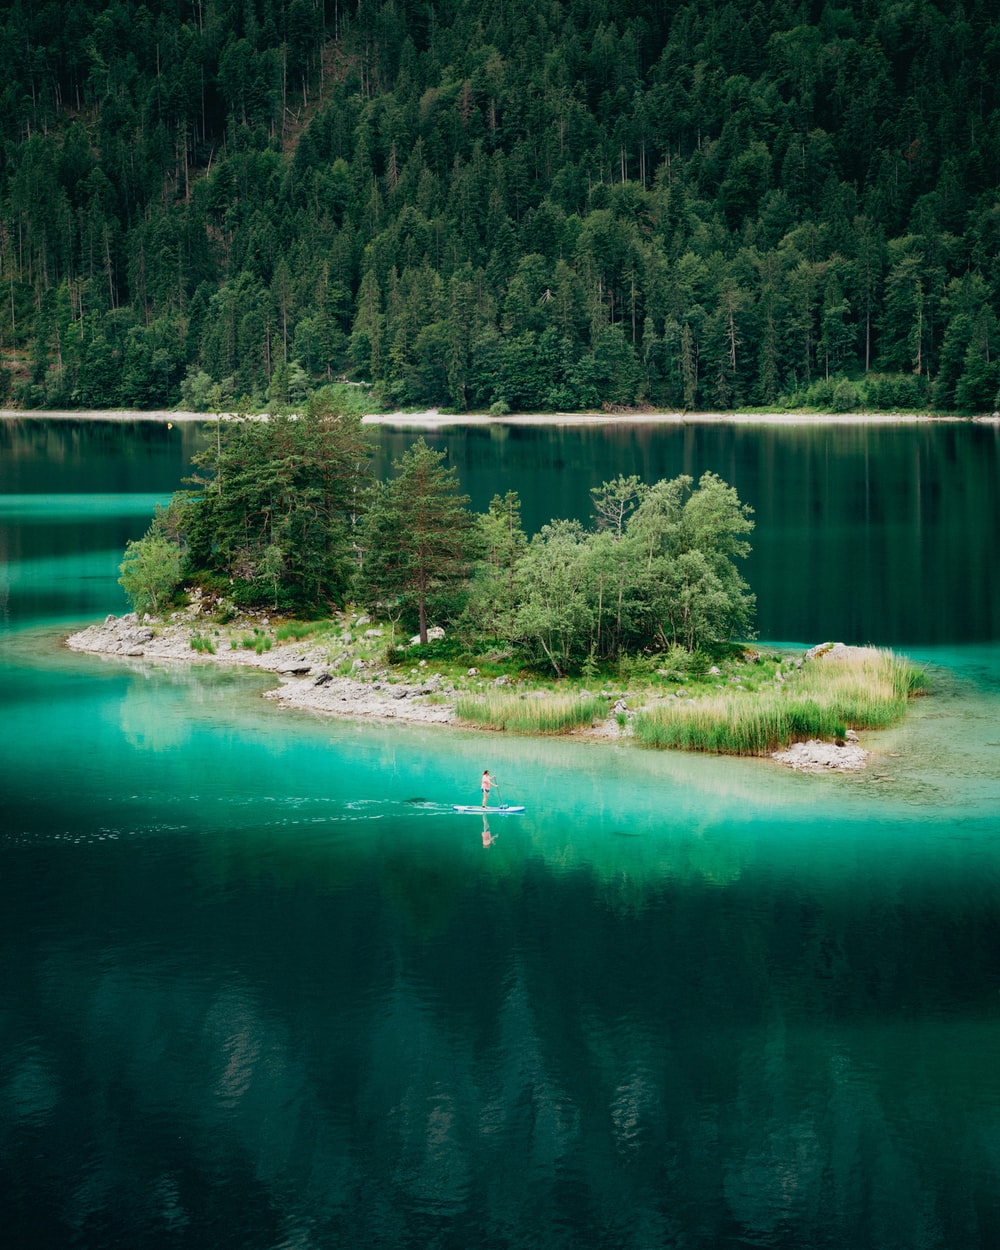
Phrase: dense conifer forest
pixel 503 205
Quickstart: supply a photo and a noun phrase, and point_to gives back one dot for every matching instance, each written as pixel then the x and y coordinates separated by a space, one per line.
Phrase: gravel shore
pixel 307 679
pixel 433 418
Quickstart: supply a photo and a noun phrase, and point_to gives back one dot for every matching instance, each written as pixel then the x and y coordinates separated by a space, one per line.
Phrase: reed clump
pixel 202 644
pixel 257 641
pixel 864 688
pixel 295 631
pixel 550 714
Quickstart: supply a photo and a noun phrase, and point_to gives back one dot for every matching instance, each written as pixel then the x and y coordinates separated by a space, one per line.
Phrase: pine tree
pixel 417 540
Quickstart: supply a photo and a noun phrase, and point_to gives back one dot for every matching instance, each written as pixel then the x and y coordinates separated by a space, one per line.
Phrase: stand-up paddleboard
pixel 504 809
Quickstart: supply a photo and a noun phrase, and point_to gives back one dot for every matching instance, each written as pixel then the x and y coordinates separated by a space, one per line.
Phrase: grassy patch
pixel 297 630
pixel 257 641
pixel 863 690
pixel 201 644
pixel 548 715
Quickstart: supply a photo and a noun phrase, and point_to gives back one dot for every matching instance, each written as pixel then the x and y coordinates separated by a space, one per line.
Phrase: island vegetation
pixel 631 616
pixel 521 206
pixel 284 514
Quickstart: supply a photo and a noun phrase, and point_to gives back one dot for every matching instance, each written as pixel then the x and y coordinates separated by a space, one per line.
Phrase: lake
pixel 263 988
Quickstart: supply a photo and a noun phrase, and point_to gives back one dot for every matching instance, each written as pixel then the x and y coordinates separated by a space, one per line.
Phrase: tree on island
pixel 417 538
pixel 275 510
pixel 554 597
pixel 151 568
pixel 658 571
pixel 283 515
pixel 491 600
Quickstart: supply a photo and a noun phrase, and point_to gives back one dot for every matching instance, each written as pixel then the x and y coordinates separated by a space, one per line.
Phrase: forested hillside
pixel 506 204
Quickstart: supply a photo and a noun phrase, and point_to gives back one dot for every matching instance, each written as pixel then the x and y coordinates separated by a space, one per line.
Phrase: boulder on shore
pixel 834 651
pixel 819 757
pixel 816 756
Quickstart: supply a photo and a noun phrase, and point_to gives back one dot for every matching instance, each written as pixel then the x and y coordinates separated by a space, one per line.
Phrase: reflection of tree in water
pixel 164 703
pixel 146 717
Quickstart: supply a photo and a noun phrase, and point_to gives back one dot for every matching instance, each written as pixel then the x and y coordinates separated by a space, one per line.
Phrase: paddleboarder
pixel 488 780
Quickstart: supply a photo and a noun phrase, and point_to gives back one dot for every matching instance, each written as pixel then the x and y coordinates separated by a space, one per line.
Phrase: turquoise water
pixel 263 988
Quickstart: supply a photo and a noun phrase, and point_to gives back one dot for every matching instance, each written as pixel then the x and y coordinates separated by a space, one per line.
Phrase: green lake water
pixel 261 987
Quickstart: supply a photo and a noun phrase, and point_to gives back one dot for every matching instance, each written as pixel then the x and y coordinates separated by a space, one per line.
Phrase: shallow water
pixel 263 988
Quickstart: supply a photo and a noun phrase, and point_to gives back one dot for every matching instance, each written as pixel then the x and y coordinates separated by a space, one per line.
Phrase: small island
pixel 393 599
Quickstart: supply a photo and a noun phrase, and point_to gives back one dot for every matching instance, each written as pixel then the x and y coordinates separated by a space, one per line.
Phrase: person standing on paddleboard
pixel 486 783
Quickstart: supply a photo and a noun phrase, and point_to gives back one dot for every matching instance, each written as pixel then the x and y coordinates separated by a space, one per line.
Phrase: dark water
pixel 262 988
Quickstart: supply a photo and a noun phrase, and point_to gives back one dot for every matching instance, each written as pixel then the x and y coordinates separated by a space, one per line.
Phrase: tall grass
pixel 550 715
pixel 257 641
pixel 297 630
pixel 865 689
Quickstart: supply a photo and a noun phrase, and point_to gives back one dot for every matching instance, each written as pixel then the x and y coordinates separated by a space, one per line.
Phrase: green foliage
pixel 150 570
pixel 277 505
pixel 676 661
pixel 296 630
pixel 658 570
pixel 257 641
pixel 438 651
pixel 889 392
pixel 680 548
pixel 417 539
pixel 737 725
pixel 554 616
pixel 199 393
pixel 492 600
pixel 276 512
pixel 514 207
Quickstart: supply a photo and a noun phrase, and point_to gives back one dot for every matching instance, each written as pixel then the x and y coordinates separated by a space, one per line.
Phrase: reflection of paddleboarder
pixel 486 783
pixel 488 838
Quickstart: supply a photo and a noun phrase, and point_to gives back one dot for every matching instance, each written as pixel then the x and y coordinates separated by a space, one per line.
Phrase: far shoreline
pixel 433 418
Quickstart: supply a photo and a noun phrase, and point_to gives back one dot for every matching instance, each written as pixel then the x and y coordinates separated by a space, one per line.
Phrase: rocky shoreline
pixel 306 678
pixel 311 679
